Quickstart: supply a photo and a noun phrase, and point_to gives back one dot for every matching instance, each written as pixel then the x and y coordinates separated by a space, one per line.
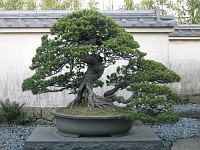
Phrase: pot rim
pixel 56 114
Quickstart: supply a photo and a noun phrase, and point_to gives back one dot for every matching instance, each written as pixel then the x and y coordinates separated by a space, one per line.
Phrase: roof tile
pixel 124 18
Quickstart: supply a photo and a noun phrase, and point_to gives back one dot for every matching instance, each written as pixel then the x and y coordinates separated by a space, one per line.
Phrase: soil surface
pixel 83 111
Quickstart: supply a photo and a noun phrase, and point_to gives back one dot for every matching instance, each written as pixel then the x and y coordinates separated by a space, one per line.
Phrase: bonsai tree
pixel 82 45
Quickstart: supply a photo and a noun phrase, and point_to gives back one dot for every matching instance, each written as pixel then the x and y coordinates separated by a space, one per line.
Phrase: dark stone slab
pixel 139 138
pixel 187 144
pixel 0 143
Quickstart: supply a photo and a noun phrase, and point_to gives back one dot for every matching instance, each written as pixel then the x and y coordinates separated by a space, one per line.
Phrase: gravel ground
pixel 184 128
pixel 187 108
pixel 13 137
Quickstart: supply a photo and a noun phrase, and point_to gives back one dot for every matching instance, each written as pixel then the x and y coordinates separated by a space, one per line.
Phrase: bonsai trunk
pixel 85 94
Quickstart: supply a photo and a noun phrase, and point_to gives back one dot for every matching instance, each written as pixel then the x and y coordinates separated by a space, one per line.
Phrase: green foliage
pixel 59 64
pixel 30 5
pixel 75 4
pixel 60 4
pixel 24 118
pixel 99 83
pixel 93 4
pixel 151 97
pixel 186 11
pixel 193 11
pixel 128 5
pixel 145 5
pixel 50 4
pixel 76 36
pixel 165 117
pixel 11 109
pixel 110 5
pixel 13 4
pixel 13 112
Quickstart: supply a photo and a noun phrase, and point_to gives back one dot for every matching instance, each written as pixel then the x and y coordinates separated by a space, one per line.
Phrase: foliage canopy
pixel 82 45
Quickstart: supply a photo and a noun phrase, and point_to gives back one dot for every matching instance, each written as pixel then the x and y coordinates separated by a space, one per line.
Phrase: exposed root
pixel 92 100
pixel 75 102
pixel 96 101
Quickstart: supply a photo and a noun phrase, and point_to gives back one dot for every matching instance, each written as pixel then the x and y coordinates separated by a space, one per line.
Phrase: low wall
pixel 41 116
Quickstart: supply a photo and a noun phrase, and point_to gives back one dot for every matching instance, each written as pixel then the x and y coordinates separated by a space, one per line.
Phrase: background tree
pixel 1 4
pixel 13 4
pixel 86 42
pixel 30 5
pixel 50 4
pixel 60 4
pixel 177 8
pixel 93 4
pixel 75 4
pixel 186 11
pixel 193 11
pixel 145 5
pixel 128 5
pixel 110 5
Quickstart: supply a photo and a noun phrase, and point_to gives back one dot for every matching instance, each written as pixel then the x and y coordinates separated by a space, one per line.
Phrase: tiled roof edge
pixel 124 18
pixel 186 30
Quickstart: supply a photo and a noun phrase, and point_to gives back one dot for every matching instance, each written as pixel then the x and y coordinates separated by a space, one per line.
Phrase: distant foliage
pixel 60 4
pixel 193 11
pixel 186 11
pixel 12 4
pixel 110 5
pixel 30 5
pixel 93 4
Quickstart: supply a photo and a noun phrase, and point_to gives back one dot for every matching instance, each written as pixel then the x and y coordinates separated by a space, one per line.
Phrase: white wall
pixel 184 58
pixel 16 52
pixel 155 45
pixel 17 47
pixel 153 41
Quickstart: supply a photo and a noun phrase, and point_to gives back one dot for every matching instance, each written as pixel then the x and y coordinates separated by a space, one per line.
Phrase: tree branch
pixel 118 86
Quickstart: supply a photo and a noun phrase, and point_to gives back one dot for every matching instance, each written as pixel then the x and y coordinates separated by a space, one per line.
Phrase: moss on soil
pixel 83 111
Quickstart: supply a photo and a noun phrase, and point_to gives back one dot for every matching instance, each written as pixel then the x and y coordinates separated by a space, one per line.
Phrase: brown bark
pixel 118 86
pixel 85 94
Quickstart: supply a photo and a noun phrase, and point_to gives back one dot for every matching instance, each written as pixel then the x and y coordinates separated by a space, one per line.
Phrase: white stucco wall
pixel 17 47
pixel 184 58
pixel 16 51
pixel 153 41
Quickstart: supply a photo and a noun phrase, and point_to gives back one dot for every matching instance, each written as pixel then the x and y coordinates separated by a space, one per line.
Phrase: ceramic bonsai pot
pixel 79 126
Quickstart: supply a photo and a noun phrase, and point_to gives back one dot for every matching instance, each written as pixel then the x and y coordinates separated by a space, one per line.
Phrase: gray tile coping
pixel 139 138
pixel 43 18
pixel 124 18
pixel 186 30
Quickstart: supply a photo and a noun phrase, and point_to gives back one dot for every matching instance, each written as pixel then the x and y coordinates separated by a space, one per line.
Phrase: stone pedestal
pixel 0 143
pixel 187 144
pixel 139 138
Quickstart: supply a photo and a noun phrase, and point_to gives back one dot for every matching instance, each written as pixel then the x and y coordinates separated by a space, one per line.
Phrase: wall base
pixel 139 138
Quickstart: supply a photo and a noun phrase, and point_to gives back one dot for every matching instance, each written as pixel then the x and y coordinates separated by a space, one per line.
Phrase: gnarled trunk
pixel 85 92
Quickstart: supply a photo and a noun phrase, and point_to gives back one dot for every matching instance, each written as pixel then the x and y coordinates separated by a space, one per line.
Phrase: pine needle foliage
pixel 83 44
